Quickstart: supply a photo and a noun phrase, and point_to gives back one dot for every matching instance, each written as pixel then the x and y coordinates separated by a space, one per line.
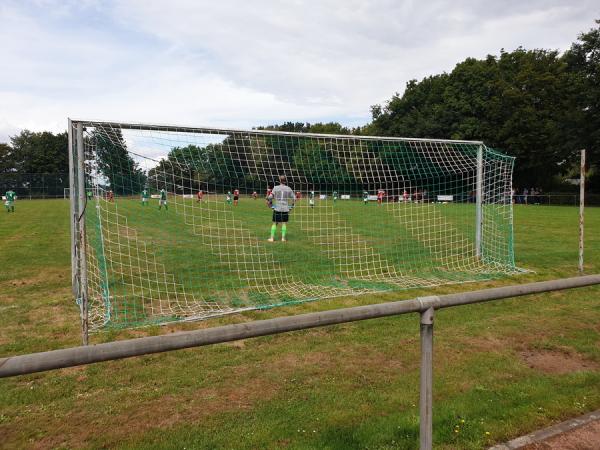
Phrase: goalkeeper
pixel 284 198
pixel 10 201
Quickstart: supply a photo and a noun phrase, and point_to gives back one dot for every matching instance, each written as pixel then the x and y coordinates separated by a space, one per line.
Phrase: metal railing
pixel 425 306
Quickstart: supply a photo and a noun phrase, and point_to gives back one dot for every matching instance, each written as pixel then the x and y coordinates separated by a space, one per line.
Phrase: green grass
pixel 219 253
pixel 347 386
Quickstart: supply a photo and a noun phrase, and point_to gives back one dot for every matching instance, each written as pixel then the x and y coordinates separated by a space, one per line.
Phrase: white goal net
pixel 176 221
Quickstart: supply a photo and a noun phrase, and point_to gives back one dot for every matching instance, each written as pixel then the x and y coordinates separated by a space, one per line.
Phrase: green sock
pixel 283 230
pixel 273 229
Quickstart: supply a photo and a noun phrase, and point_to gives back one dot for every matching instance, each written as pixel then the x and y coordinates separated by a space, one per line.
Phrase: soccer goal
pixel 172 223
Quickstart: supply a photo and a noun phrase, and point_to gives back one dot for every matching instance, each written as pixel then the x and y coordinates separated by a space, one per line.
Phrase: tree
pixel 38 153
pixel 313 161
pixel 182 165
pixel 122 173
pixel 583 60
pixel 6 164
pixel 319 128
pixel 523 102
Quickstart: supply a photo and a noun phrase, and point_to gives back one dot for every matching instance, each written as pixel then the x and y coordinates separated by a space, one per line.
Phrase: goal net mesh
pixel 177 221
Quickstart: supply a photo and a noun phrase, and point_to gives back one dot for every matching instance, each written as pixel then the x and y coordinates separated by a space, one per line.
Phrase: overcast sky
pixel 246 63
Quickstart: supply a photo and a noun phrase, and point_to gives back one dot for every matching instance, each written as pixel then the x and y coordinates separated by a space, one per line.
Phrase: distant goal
pixel 170 223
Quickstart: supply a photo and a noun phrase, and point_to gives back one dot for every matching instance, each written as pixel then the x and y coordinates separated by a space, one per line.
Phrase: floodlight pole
pixel 426 391
pixel 478 202
pixel 81 252
pixel 581 209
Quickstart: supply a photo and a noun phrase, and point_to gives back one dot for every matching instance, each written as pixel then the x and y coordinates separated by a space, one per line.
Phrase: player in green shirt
pixel 335 196
pixel 163 199
pixel 311 199
pixel 145 197
pixel 10 201
pixel 365 197
pixel 228 198
pixel 89 195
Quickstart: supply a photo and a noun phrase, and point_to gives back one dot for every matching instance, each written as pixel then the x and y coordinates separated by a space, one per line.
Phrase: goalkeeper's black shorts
pixel 280 217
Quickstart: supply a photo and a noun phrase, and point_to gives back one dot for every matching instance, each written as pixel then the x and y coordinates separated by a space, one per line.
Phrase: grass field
pixel 501 369
pixel 204 258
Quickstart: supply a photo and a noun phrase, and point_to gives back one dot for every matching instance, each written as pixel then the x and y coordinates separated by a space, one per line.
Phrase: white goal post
pixel 202 249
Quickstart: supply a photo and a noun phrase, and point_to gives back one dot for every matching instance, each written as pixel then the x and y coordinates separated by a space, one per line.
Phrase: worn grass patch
pixel 501 368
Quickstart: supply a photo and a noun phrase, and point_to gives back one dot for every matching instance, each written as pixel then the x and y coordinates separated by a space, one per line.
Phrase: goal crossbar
pixel 227 131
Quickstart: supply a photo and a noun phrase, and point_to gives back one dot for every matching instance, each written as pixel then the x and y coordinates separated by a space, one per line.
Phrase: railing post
pixel 426 391
pixel 581 209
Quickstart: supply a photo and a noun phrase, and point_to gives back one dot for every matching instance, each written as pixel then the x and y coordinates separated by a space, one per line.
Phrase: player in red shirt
pixel 405 196
pixel 236 197
pixel 254 195
pixel 268 197
pixel 298 195
pixel 380 195
pixel 200 194
pixel 110 196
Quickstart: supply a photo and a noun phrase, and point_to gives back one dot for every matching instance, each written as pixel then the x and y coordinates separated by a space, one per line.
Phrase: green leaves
pixel 31 152
pixel 537 105
pixel 114 162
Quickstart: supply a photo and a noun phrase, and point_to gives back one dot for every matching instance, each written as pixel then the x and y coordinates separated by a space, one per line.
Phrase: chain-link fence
pixel 35 185
pixel 56 185
pixel 556 199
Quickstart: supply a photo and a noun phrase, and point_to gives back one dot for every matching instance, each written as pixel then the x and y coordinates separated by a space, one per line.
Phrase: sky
pixel 238 64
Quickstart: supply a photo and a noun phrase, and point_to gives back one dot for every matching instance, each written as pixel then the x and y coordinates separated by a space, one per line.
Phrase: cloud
pixel 239 63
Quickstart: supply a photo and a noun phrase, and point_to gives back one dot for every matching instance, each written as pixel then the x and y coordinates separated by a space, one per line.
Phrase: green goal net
pixel 175 223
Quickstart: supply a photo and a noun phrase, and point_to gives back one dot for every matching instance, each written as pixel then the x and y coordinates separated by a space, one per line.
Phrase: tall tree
pixel 112 160
pixel 523 102
pixel 6 163
pixel 42 152
pixel 319 127
pixel 583 59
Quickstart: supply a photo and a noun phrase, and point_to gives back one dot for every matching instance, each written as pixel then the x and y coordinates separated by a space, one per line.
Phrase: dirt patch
pixel 488 343
pixel 350 363
pixel 80 428
pixel 41 278
pixel 556 362
pixel 55 315
pixel 159 413
pixel 237 344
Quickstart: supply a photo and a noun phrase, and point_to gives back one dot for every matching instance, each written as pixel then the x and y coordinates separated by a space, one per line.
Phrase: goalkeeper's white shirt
pixel 284 198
